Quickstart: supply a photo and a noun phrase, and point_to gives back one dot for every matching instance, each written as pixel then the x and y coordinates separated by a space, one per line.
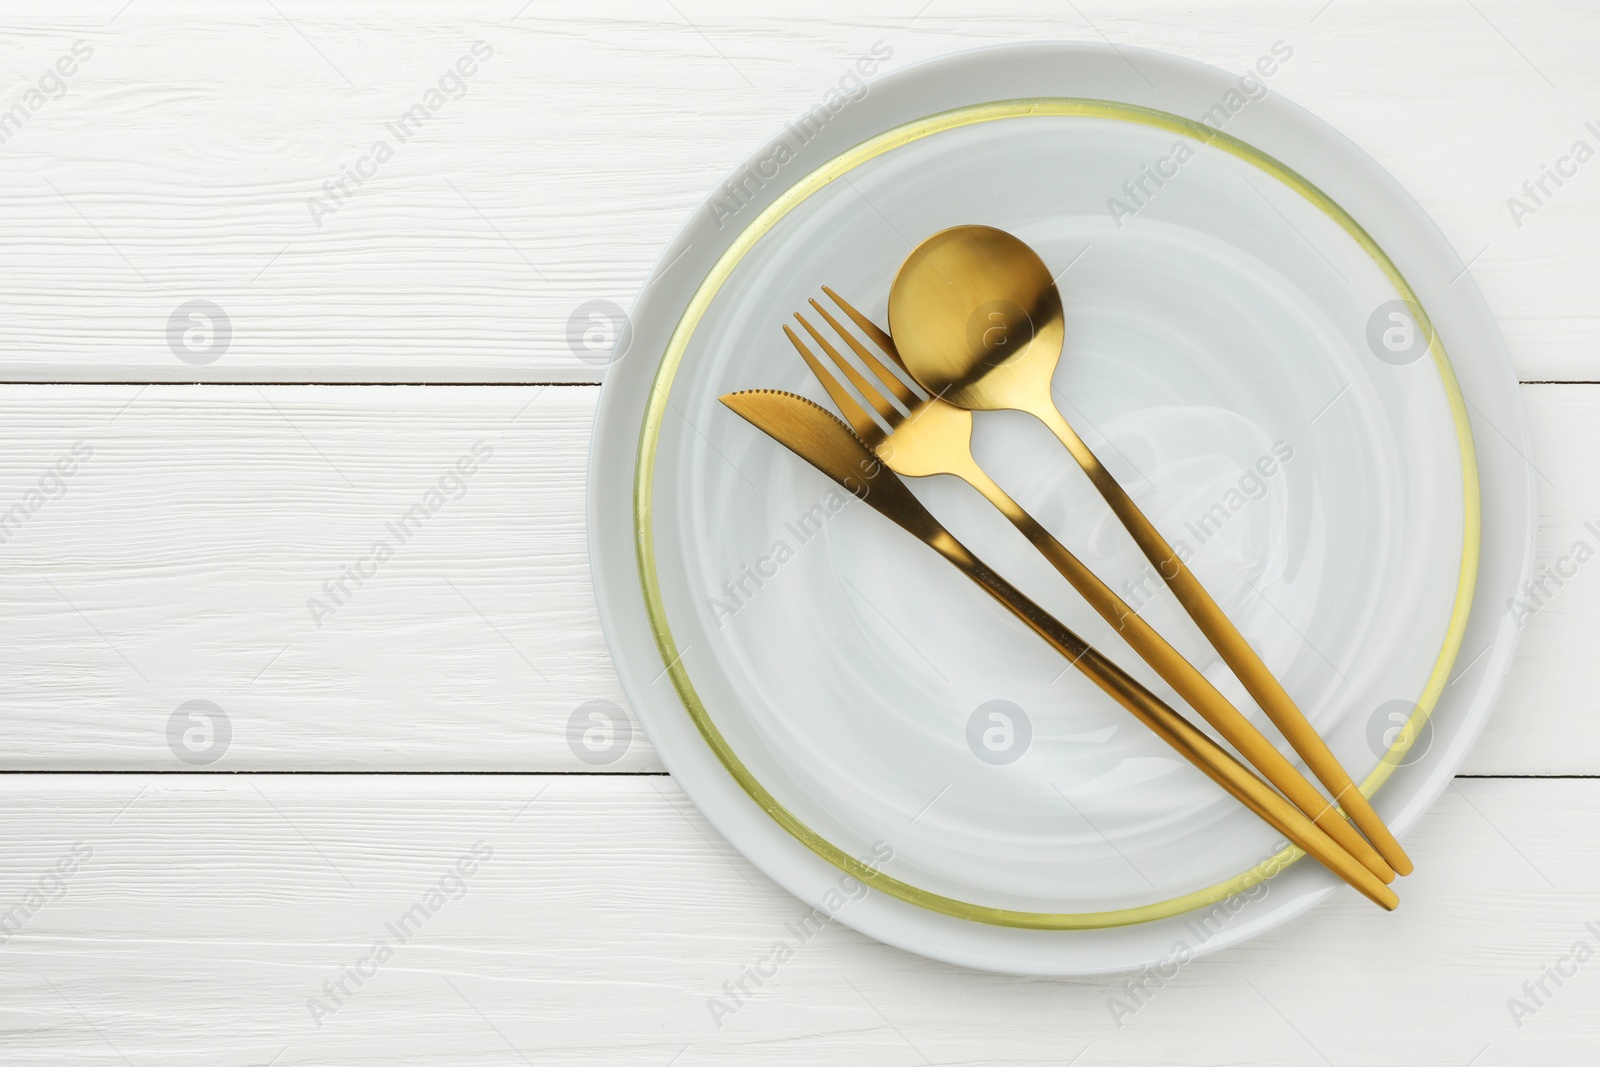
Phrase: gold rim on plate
pixel 650 432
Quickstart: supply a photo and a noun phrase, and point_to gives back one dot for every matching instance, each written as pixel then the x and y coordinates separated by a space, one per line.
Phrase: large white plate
pixel 839 703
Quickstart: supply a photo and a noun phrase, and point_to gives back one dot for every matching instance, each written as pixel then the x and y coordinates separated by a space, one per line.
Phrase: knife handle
pixel 1193 745
pixel 1194 687
pixel 1235 651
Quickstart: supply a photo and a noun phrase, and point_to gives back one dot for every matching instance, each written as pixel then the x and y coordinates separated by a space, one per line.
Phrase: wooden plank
pixel 183 158
pixel 179 562
pixel 607 914
pixel 201 553
pixel 1537 726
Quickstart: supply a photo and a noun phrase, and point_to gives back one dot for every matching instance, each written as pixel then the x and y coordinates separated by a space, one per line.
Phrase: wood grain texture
pixel 182 158
pixel 210 911
pixel 179 563
pixel 173 561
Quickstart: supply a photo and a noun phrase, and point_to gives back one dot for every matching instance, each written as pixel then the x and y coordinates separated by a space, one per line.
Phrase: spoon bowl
pixel 977 317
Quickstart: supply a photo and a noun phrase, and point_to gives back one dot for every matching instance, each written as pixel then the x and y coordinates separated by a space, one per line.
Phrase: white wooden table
pixel 161 913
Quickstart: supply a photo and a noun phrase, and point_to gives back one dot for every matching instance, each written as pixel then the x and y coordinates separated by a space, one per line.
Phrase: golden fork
pixel 923 435
pixel 828 444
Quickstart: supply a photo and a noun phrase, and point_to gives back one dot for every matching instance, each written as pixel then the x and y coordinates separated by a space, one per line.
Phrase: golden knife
pixel 829 445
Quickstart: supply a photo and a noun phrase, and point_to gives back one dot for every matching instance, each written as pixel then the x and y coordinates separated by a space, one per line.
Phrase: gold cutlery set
pixel 975 324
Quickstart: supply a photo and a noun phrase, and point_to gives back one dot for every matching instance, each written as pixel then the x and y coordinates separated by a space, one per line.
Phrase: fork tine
pixel 870 328
pixel 853 413
pixel 901 391
pixel 870 393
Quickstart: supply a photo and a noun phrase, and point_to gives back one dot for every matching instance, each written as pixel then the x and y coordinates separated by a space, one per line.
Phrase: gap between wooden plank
pixel 363 385
pixel 472 385
pixel 571 774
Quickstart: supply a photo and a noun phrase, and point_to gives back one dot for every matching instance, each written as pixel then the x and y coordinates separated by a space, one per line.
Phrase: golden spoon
pixel 977 319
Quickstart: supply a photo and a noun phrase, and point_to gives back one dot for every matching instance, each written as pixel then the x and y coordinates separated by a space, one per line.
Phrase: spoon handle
pixel 1230 644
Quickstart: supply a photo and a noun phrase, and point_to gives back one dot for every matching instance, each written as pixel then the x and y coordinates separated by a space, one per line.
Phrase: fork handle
pixel 1190 742
pixel 1193 686
pixel 1230 644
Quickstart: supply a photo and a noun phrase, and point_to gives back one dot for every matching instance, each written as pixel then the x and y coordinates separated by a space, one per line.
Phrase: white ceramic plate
pixel 1247 348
